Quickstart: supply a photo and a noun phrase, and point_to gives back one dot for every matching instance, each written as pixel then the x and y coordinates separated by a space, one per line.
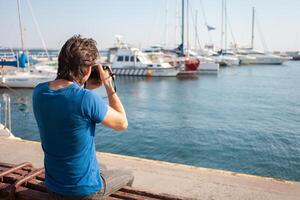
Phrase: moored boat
pixel 226 59
pixel 29 79
pixel 261 58
pixel 130 61
pixel 208 66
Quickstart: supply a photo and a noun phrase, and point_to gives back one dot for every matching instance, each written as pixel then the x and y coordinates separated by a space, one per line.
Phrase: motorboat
pixel 133 62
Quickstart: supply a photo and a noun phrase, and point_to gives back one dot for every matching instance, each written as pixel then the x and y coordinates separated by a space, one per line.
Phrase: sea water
pixel 245 119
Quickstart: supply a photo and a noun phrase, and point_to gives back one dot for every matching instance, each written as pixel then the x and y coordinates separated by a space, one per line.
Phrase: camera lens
pixel 95 73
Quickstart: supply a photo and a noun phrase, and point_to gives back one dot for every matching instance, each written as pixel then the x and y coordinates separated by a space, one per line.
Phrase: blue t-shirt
pixel 66 120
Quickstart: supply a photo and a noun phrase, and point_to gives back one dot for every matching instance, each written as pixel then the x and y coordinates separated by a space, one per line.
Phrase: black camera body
pixel 95 72
pixel 95 76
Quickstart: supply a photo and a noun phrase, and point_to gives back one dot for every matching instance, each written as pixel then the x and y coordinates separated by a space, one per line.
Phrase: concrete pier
pixel 164 177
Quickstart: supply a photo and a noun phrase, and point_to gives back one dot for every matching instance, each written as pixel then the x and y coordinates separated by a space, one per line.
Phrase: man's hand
pixel 105 78
pixel 104 75
pixel 93 84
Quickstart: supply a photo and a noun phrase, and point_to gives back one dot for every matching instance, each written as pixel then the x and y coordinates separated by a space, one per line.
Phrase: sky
pixel 143 23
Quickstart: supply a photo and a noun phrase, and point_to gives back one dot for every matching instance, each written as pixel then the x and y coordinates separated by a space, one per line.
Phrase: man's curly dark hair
pixel 75 55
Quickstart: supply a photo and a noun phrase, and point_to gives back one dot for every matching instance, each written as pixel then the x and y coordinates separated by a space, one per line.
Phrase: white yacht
pixel 132 62
pixel 259 57
pixel 221 57
pixel 252 56
pixel 226 59
pixel 245 59
pixel 24 79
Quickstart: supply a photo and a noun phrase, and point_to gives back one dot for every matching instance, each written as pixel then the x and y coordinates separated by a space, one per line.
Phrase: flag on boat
pixel 179 49
pixel 210 28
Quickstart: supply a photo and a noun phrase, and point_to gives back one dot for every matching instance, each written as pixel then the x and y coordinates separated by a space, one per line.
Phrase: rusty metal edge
pixel 25 179
pixel 17 167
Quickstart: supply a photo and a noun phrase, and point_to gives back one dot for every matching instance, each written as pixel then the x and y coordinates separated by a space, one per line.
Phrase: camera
pixel 95 72
pixel 95 76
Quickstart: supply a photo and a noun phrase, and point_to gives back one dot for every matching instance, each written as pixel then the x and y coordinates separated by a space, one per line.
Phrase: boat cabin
pixel 133 57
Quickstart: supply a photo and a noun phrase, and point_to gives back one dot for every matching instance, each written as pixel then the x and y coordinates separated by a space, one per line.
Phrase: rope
pixel 231 32
pixel 11 89
pixel 193 22
pixel 37 27
pixel 261 36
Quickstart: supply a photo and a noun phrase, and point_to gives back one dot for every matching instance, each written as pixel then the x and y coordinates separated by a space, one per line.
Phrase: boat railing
pixel 6 128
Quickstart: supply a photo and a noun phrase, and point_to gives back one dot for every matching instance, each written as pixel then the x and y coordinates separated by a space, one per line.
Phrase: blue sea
pixel 245 119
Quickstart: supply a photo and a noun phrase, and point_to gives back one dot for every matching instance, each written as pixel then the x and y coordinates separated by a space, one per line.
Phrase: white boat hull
pixel 25 80
pixel 149 72
pixel 254 57
pixel 208 68
pixel 268 60
pixel 246 60
pixel 227 60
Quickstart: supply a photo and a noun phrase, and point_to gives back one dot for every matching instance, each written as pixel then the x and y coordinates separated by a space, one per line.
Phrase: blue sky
pixel 143 22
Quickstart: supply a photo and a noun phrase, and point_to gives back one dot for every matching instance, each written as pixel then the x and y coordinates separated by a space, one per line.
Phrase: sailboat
pixel 223 56
pixel 258 57
pixel 207 64
pixel 190 63
pixel 23 77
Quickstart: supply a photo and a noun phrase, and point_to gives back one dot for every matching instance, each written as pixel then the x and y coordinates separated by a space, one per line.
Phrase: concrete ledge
pixel 164 177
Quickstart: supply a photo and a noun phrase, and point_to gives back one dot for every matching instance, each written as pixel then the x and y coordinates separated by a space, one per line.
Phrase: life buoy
pixel 149 73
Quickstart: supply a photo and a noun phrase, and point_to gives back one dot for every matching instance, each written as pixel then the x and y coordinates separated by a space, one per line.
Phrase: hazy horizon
pixel 143 23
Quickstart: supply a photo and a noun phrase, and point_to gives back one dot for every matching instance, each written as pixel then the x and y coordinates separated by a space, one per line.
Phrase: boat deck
pixel 170 178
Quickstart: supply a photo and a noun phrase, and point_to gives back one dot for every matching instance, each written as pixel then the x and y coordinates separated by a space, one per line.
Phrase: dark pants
pixel 113 180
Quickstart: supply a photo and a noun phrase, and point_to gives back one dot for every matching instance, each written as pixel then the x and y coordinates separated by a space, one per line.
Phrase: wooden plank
pixel 130 196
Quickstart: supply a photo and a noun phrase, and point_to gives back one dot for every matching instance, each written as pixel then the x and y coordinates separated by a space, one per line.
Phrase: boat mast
pixel 182 27
pixel 252 34
pixel 196 29
pixel 225 23
pixel 187 28
pixel 177 18
pixel 222 25
pixel 20 24
pixel 166 24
